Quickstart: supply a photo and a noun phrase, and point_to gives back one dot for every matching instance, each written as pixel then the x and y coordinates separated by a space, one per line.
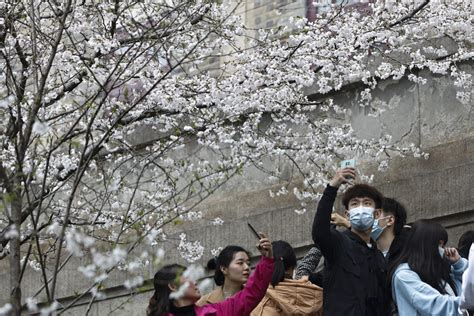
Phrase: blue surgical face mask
pixel 441 251
pixel 377 230
pixel 361 218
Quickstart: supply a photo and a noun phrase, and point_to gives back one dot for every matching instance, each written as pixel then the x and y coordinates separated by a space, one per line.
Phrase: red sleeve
pixel 245 301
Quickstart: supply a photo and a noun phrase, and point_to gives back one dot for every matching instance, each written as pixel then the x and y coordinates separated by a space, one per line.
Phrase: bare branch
pixel 411 14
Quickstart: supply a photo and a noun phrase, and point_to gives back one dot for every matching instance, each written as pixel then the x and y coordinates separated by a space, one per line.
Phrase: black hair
pixel 285 258
pixel 397 209
pixel 465 242
pixel 160 301
pixel 361 191
pixel 224 259
pixel 421 253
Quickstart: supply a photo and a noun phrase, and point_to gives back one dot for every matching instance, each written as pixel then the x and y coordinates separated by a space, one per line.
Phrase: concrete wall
pixel 441 187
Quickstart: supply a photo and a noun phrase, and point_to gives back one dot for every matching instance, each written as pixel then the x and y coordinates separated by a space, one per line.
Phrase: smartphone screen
pixel 253 231
pixel 350 163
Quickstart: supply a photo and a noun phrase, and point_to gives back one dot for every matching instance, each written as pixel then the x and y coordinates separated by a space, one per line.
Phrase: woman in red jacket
pixel 169 279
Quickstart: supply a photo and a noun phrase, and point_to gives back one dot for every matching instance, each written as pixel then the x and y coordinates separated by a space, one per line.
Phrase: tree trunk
pixel 15 255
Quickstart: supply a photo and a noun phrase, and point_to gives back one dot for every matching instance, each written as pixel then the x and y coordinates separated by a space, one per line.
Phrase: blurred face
pixel 192 291
pixel 238 270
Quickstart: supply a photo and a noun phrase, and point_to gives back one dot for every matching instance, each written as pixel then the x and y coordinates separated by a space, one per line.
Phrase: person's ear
pixel 377 212
pixel 172 287
pixel 224 270
pixel 391 220
pixel 346 214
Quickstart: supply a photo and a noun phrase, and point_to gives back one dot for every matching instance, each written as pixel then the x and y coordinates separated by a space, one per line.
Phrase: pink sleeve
pixel 244 302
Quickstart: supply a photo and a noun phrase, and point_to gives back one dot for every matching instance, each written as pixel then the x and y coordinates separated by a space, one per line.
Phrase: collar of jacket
pixel 397 244
pixel 359 240
pixel 216 296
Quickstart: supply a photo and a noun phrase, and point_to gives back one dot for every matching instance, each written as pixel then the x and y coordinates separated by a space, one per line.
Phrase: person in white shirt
pixel 467 296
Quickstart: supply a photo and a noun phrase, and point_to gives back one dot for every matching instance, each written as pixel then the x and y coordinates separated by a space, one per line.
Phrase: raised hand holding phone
pixel 350 163
pixel 254 231
pixel 343 176
pixel 264 245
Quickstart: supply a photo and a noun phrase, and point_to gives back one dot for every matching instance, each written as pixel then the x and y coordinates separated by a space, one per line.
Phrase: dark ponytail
pixel 160 301
pixel 285 258
pixel 223 260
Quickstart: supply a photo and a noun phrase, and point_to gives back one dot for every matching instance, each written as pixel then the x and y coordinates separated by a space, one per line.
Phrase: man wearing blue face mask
pixel 389 229
pixel 355 272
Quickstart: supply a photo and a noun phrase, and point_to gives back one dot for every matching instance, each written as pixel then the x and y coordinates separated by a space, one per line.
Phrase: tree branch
pixel 412 14
pixel 68 88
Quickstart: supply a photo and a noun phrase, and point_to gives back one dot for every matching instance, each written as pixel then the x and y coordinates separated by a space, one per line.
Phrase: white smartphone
pixel 350 163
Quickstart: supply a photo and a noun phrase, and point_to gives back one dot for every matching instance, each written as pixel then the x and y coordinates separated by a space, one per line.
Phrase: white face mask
pixel 441 251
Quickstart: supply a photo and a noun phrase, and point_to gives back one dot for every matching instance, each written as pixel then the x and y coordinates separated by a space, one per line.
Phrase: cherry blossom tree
pixel 116 121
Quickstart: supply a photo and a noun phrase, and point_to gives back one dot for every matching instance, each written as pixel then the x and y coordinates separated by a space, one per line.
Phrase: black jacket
pixel 397 246
pixel 354 273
